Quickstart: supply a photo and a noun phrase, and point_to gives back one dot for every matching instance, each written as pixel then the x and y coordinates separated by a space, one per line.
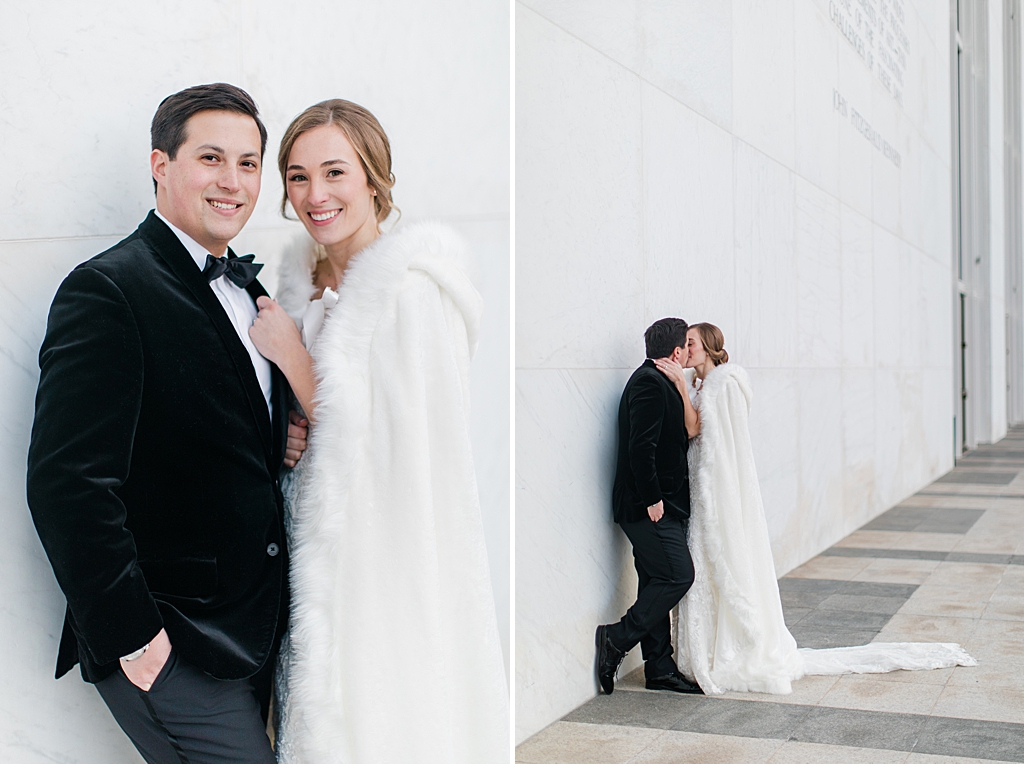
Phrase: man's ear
pixel 158 161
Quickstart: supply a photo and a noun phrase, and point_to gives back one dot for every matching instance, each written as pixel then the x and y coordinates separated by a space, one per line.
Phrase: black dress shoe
pixel 676 683
pixel 609 658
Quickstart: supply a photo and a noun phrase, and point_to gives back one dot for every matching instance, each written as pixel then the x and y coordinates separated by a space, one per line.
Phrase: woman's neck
pixel 339 255
pixel 702 370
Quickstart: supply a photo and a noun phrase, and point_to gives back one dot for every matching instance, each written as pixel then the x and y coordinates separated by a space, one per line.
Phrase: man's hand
pixel 298 432
pixel 142 672
pixel 655 511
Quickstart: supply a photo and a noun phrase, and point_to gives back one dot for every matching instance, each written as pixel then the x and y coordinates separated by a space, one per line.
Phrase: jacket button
pixel 273 549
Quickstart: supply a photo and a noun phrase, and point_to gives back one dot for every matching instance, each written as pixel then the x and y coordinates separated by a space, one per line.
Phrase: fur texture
pixel 735 634
pixel 393 652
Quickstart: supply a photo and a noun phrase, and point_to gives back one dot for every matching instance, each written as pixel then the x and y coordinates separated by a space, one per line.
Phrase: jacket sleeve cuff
pixel 651 495
pixel 120 622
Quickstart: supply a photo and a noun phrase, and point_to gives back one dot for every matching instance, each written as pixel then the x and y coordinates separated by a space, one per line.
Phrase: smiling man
pixel 159 434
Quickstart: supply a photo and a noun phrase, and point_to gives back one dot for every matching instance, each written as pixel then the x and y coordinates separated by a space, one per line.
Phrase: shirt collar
pixel 197 250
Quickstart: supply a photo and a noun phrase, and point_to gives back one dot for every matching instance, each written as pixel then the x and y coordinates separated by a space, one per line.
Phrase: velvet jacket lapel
pixel 173 252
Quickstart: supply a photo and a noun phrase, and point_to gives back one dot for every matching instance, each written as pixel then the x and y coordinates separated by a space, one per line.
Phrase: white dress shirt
pixel 237 304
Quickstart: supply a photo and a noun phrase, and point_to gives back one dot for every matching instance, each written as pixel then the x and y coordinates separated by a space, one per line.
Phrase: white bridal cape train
pixel 730 629
pixel 393 654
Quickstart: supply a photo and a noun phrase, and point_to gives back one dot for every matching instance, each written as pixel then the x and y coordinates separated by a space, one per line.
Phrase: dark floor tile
pixel 888 554
pixel 793 615
pixel 862 729
pixel 746 718
pixel 800 599
pixel 992 559
pixel 846 620
pixel 948 520
pixel 870 589
pixel 898 519
pixel 1017 559
pixel 989 477
pixel 971 738
pixel 926 492
pixel 635 709
pixel 823 585
pixel 818 638
pixel 863 604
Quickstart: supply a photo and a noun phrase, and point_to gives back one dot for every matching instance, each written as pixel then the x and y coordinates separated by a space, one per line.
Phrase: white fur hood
pixel 433 248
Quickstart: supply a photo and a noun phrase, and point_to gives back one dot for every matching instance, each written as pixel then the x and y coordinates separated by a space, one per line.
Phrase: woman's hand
pixel 673 370
pixel 277 338
pixel 274 333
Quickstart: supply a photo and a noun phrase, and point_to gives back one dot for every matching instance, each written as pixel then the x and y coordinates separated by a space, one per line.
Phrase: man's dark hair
pixel 168 130
pixel 664 336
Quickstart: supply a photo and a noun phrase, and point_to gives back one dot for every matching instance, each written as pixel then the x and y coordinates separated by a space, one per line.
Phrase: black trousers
pixel 663 565
pixel 188 717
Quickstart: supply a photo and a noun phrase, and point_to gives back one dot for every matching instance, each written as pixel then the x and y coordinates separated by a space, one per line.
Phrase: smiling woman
pixel 385 529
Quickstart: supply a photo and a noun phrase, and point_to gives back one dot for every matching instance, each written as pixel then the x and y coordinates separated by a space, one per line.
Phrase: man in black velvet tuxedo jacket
pixel 651 503
pixel 159 434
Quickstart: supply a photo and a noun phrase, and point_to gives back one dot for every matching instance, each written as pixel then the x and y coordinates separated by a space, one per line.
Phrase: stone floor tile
pixel 852 620
pixel 996 704
pixel 833 568
pixel 927 628
pixel 795 752
pixel 874 540
pixel 823 637
pixel 996 631
pixel 895 571
pixel 948 601
pixel 570 743
pixel 793 615
pixel 869 692
pixel 806 691
pixel 860 729
pixel 721 716
pixel 935 542
pixel 990 672
pixel 862 603
pixel 966 574
pixel 976 477
pixel 989 542
pixel 1004 607
pixel 970 738
pixel 694 748
pixel 929 758
pixel 635 709
pixel 872 589
pixel 900 518
pixel 798 599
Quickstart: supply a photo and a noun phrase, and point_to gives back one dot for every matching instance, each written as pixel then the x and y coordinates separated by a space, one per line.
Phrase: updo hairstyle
pixel 366 136
pixel 713 340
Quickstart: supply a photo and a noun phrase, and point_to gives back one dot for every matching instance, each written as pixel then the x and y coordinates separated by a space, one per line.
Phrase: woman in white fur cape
pixel 393 653
pixel 730 631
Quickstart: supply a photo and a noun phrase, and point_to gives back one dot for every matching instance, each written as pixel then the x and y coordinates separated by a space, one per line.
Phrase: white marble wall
pixel 79 88
pixel 687 159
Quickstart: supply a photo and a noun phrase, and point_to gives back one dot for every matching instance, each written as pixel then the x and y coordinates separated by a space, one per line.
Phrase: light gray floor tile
pixel 744 718
pixel 635 709
pixel 860 729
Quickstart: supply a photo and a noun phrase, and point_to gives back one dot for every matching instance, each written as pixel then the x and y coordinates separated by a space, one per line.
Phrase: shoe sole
pixel 599 643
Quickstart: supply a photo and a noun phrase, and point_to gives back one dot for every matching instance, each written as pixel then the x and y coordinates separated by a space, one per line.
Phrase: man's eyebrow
pixel 248 154
pixel 210 147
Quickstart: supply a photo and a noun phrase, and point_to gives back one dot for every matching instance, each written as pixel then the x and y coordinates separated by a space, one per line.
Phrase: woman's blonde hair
pixel 364 133
pixel 713 340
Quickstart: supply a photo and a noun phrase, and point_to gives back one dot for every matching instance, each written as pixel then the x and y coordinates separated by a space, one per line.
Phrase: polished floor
pixel 946 565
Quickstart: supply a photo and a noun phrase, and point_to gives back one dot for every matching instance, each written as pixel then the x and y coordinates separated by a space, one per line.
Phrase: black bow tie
pixel 240 271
